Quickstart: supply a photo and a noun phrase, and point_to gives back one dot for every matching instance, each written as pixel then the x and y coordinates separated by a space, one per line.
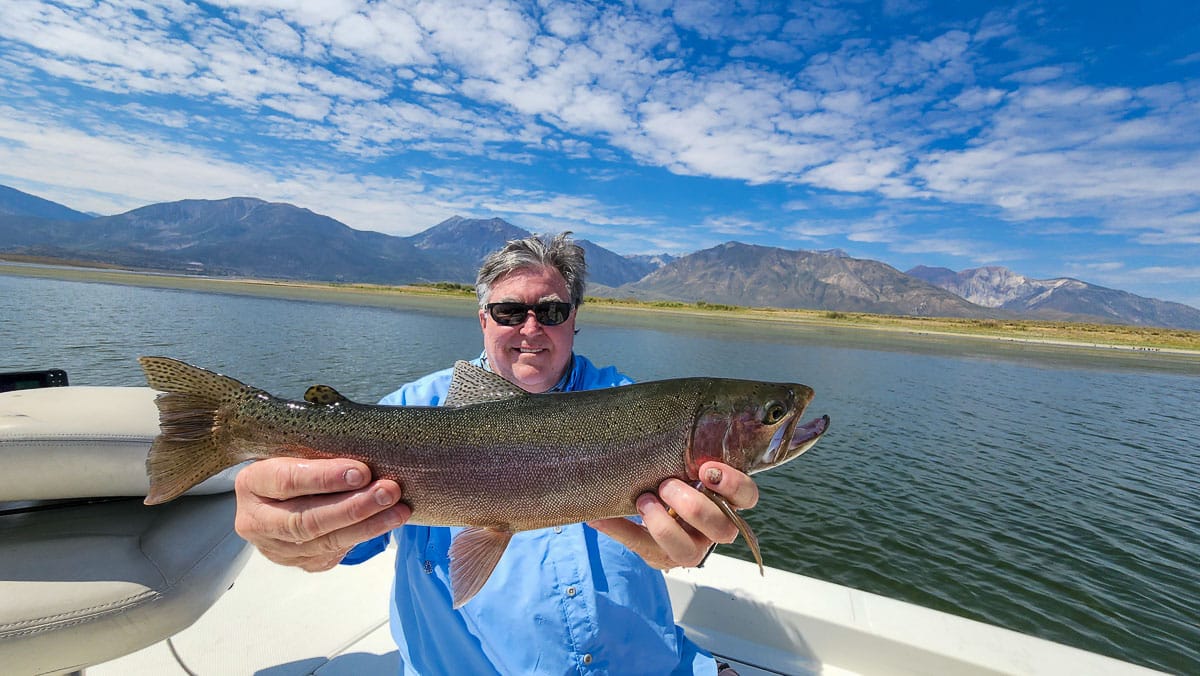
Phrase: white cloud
pixel 123 172
pixel 735 226
pixel 976 98
pixel 276 36
pixel 1038 75
pixel 567 21
pixel 771 50
pixel 800 97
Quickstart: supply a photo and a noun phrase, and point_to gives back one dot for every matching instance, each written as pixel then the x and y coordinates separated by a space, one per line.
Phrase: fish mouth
pixel 804 436
pixel 790 441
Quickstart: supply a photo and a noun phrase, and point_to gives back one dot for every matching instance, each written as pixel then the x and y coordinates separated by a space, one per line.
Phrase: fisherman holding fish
pixel 581 597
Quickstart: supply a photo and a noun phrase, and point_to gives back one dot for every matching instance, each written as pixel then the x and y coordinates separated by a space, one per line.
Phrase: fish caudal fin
pixel 187 450
pixel 473 556
pixel 742 525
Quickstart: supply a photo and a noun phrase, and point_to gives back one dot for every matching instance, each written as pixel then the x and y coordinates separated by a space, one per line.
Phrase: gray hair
pixel 532 253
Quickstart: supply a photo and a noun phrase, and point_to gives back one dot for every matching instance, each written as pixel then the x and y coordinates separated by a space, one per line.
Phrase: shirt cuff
pixel 365 550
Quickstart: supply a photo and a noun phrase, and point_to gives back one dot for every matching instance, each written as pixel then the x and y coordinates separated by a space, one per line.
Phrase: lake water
pixel 1055 492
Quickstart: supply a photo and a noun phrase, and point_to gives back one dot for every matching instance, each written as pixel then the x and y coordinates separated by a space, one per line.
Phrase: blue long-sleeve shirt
pixel 562 600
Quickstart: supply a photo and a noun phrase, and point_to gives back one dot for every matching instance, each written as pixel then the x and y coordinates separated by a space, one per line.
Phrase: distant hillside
pixel 16 203
pixel 1062 299
pixel 249 237
pixel 468 238
pixel 463 242
pixel 758 276
pixel 612 269
pixel 238 236
pixel 654 260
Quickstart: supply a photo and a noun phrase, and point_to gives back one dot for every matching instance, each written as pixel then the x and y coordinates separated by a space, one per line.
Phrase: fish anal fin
pixel 742 525
pixel 471 384
pixel 473 556
pixel 323 395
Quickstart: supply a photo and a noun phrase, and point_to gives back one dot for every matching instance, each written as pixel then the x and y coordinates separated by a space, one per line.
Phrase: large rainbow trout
pixel 493 458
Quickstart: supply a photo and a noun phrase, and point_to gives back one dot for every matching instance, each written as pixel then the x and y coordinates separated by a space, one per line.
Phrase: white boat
pixel 91 579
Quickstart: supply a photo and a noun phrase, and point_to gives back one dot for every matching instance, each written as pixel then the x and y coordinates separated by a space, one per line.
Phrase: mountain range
pixel 1062 298
pixel 249 237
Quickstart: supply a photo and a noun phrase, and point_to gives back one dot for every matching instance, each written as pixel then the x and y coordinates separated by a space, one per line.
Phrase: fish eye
pixel 773 412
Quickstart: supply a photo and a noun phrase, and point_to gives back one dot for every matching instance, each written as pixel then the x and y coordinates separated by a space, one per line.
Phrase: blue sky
pixel 1052 138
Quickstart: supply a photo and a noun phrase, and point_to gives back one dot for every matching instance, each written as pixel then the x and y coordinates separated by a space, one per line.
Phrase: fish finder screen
pixel 32 380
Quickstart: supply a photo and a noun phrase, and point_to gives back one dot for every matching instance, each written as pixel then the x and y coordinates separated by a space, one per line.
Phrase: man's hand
pixel 310 513
pixel 667 541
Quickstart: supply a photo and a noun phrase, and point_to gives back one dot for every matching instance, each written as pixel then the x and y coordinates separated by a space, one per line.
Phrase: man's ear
pixel 482 318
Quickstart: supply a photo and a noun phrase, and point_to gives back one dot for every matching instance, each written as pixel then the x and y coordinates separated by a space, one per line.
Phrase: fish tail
pixel 187 449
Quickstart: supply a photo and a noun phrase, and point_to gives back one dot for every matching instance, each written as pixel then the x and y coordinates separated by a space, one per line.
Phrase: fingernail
pixel 397 517
pixel 382 497
pixel 670 490
pixel 354 478
pixel 712 475
pixel 644 501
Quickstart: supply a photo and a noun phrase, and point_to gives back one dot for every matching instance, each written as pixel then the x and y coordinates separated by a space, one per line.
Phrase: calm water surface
pixel 1054 492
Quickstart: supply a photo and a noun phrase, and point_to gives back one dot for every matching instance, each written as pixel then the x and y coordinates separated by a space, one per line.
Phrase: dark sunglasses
pixel 550 313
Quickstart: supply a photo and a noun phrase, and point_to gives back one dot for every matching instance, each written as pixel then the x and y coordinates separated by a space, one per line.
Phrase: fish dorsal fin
pixel 323 394
pixel 473 385
pixel 473 556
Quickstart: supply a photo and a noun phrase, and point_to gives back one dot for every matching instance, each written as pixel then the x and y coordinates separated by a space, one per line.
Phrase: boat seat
pixel 87 572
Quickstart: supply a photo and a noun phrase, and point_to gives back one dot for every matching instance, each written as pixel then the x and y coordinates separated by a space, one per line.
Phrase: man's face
pixel 530 355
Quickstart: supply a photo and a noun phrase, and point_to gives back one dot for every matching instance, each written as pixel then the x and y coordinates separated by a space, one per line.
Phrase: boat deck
pixel 278 621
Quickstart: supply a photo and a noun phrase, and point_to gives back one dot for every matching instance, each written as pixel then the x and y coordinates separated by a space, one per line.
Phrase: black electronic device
pixel 32 380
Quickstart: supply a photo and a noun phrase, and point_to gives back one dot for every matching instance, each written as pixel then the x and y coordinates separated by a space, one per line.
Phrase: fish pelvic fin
pixel 742 525
pixel 187 451
pixel 471 384
pixel 473 556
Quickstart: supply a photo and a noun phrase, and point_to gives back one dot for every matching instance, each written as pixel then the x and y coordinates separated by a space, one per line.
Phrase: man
pixel 580 598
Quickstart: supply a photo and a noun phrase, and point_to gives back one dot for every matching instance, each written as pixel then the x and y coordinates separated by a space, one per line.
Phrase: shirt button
pixel 428 567
pixel 571 591
pixel 558 529
pixel 587 659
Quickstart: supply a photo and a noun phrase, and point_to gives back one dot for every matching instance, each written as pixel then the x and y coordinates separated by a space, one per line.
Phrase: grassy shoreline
pixel 1149 340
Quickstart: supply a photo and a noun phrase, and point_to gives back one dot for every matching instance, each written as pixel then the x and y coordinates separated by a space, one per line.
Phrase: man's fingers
pixel 310 513
pixel 286 478
pixel 697 510
pixel 682 544
pixel 624 531
pixel 340 540
pixel 635 537
pixel 325 552
pixel 738 489
pixel 680 523
pixel 304 519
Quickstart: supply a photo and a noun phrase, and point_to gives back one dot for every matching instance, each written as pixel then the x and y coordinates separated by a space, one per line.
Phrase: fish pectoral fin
pixel 473 556
pixel 741 523
pixel 323 394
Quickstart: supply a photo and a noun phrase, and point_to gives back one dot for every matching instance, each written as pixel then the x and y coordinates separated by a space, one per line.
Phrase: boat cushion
pixel 81 442
pixel 89 582
pixel 87 572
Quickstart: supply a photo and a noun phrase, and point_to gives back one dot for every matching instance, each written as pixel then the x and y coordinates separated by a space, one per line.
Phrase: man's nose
pixel 531 324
